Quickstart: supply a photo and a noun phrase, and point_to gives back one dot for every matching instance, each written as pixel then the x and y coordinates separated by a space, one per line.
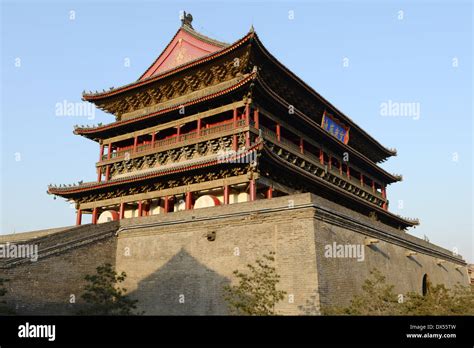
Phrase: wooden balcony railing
pixel 272 136
pixel 221 127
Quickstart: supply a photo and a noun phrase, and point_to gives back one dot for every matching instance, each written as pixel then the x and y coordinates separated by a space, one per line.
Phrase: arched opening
pixel 425 285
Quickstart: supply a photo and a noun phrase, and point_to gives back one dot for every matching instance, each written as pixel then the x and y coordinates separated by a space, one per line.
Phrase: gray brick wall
pixel 174 269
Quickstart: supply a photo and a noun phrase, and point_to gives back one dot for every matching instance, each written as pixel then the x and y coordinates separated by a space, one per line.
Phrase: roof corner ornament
pixel 186 19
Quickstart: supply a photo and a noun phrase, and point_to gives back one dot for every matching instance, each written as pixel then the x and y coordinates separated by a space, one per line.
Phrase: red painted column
pixel 153 138
pixel 101 152
pixel 384 192
pixel 340 168
pixel 178 132
pixel 247 139
pixel 122 211
pixel 99 174
pixel 189 201
pixel 270 193
pixel 107 173
pixel 140 208
pixel 247 114
pixel 94 216
pixel 198 127
pixel 253 190
pixel 234 137
pixel 373 186
pixel 348 172
pixel 109 151
pixel 135 143
pixel 330 162
pixel 362 179
pixel 226 194
pixel 166 205
pixel 234 142
pixel 278 131
pixel 301 145
pixel 234 118
pixel 78 217
pixel 256 118
pixel 321 156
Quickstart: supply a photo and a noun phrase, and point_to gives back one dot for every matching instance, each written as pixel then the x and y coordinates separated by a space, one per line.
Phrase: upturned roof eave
pixel 351 123
pixel 89 132
pixel 391 178
pixel 406 222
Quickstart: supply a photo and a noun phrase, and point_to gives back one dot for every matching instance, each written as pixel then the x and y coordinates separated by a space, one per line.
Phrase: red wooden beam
pixel 270 192
pixel 321 156
pixel 140 208
pixel 226 194
pixel 94 216
pixel 247 114
pixel 135 143
pixel 107 173
pixel 153 138
pixel 109 151
pixel 256 118
pixel 301 145
pixel 166 205
pixel 101 152
pixel 189 201
pixel 278 131
pixel 78 217
pixel 253 190
pixel 122 211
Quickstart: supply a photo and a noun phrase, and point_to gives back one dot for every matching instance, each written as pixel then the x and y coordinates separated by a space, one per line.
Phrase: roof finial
pixel 252 29
pixel 186 19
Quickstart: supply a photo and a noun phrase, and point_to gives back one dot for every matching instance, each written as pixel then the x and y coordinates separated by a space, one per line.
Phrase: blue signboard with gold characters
pixel 335 128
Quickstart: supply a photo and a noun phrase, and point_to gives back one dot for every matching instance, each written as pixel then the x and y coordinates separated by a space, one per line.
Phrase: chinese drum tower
pixel 219 154
pixel 210 123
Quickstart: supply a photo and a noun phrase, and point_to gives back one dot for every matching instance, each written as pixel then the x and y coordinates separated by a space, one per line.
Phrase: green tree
pixel 256 292
pixel 440 300
pixel 104 296
pixel 377 298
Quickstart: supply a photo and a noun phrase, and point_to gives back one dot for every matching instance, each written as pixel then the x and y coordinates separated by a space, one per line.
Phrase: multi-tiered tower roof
pixel 210 123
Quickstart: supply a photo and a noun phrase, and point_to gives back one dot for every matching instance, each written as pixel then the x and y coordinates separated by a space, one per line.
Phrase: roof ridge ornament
pixel 186 19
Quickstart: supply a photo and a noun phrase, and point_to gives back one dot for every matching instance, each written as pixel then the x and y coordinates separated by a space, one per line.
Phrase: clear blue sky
pixel 407 60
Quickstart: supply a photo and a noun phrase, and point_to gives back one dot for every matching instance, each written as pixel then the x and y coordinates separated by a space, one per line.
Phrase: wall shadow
pixel 411 258
pixel 183 286
pixel 378 250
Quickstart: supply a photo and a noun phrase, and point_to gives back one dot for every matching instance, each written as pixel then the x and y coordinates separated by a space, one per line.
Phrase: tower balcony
pixel 172 141
pixel 364 188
